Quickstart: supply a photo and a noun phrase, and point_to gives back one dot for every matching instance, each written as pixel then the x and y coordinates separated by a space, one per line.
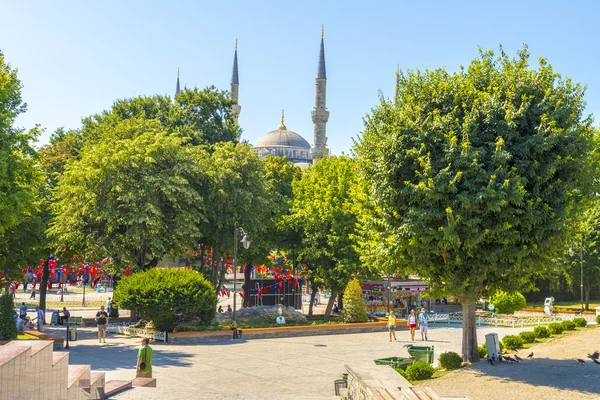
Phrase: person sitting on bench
pixel 65 317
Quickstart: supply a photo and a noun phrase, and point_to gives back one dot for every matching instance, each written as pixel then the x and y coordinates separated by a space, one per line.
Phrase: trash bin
pixel 422 353
pixel 73 334
pixel 395 362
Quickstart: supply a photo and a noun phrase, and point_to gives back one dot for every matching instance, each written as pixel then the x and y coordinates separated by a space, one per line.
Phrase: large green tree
pixel 20 179
pixel 472 173
pixel 323 209
pixel 136 193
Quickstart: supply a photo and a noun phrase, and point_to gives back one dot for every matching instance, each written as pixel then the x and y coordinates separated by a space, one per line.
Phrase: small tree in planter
pixel 8 328
pixel 354 309
pixel 508 302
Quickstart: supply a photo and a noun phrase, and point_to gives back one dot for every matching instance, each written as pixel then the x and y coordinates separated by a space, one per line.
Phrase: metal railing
pixel 518 321
pixel 125 328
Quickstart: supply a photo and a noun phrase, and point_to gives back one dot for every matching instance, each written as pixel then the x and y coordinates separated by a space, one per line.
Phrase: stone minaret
pixel 235 85
pixel 320 115
pixel 177 88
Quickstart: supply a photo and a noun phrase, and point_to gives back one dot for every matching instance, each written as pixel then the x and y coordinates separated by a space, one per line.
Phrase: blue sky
pixel 76 57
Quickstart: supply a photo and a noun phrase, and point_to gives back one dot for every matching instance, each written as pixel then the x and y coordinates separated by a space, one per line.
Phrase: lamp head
pixel 246 241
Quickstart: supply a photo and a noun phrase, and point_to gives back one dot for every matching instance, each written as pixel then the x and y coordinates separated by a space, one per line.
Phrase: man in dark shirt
pixel 102 322
pixel 65 317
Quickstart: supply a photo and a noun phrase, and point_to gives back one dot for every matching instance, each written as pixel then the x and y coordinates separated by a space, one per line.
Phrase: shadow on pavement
pixel 559 374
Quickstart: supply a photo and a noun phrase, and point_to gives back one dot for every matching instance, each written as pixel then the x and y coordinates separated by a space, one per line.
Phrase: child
pixel 392 325
pixel 412 324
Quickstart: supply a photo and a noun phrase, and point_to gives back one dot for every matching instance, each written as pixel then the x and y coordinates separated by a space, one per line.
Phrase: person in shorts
pixel 392 325
pixel 102 322
pixel 423 323
pixel 144 360
pixel 412 322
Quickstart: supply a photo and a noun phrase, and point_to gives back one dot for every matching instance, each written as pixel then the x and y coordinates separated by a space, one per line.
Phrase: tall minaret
pixel 177 88
pixel 320 115
pixel 235 85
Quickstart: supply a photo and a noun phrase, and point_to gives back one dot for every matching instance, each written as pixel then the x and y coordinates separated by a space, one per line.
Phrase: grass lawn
pixel 570 305
pixel 26 337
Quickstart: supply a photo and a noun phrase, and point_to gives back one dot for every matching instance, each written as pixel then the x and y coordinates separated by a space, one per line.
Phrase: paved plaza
pixel 285 368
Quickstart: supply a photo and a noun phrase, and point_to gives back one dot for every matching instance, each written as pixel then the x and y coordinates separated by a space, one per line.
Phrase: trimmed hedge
pixel 541 332
pixel 598 319
pixel 168 297
pixel 8 327
pixel 556 328
pixel 568 325
pixel 418 371
pixel 528 337
pixel 508 302
pixel 482 350
pixel 450 360
pixel 580 322
pixel 512 340
pixel 355 309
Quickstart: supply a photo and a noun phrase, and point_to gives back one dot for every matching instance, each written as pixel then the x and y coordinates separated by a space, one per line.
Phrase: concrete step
pixel 79 379
pixel 144 382
pixel 113 387
pixel 97 380
pixel 13 360
pixel 59 376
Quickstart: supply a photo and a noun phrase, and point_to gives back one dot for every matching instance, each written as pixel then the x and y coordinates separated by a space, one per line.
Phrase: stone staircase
pixel 31 370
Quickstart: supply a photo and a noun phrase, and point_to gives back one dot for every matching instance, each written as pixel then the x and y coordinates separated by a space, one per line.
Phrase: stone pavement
pixel 285 368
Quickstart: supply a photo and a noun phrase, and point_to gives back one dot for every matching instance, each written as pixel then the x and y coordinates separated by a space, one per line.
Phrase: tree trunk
pixel 44 288
pixel 340 301
pixel 330 306
pixel 247 278
pixel 588 289
pixel 469 337
pixel 313 294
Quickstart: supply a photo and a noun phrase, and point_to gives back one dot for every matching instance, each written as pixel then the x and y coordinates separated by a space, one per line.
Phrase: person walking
pixel 102 323
pixel 23 311
pixel 423 323
pixel 144 360
pixel 40 319
pixel 392 325
pixel 412 324
pixel 32 293
pixel 109 306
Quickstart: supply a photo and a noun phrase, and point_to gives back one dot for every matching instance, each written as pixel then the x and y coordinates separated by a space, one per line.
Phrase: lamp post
pixel 581 265
pixel 246 243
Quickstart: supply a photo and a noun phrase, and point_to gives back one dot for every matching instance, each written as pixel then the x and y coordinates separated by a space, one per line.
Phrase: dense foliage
pixel 568 325
pixel 580 322
pixel 472 174
pixel 450 360
pixel 556 328
pixel 168 297
pixel 528 337
pixel 482 351
pixel 419 370
pixel 8 327
pixel 541 332
pixel 508 302
pixel 512 340
pixel 354 309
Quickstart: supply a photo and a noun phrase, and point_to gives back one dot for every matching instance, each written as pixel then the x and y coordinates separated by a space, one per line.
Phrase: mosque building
pixel 281 141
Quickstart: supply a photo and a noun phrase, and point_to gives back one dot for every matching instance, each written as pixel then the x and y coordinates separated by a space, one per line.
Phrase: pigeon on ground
pixel 595 361
pixel 594 355
pixel 490 361
pixel 513 349
pixel 509 358
pixel 580 361
pixel 408 345
pixel 530 356
pixel 518 358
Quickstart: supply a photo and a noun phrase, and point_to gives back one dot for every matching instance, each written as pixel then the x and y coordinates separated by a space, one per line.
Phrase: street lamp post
pixel 246 243
pixel 581 265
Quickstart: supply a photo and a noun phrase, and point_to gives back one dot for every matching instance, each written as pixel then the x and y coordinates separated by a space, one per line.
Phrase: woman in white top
pixel 412 322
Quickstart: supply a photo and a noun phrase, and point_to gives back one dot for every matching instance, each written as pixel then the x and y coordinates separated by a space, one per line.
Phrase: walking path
pixel 285 368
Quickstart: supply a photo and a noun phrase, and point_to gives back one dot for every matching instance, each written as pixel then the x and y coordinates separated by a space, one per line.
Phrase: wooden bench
pixel 58 341
pixel 75 321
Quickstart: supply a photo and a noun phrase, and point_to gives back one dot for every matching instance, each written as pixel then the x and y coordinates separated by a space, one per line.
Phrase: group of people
pixel 413 322
pixel 24 323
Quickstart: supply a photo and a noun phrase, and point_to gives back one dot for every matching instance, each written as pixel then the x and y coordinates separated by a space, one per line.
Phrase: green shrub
pixel 555 328
pixel 8 327
pixel 598 319
pixel 528 337
pixel 418 371
pixel 355 309
pixel 450 360
pixel 168 297
pixel 512 340
pixel 541 332
pixel 508 302
pixel 401 372
pixel 568 325
pixel 482 350
pixel 580 322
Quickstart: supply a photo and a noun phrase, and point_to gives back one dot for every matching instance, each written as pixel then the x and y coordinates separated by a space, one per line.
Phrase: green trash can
pixel 395 362
pixel 422 353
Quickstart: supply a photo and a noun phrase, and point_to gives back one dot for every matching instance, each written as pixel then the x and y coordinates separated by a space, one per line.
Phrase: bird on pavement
pixel 594 355
pixel 580 361
pixel 595 361
pixel 530 356
pixel 513 349
pixel 518 358
pixel 512 360
pixel 490 361
pixel 408 345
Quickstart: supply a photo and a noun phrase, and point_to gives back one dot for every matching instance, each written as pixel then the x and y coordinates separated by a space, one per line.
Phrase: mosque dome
pixel 281 137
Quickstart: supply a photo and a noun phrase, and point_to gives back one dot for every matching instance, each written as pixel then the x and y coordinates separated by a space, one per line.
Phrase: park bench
pixel 75 321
